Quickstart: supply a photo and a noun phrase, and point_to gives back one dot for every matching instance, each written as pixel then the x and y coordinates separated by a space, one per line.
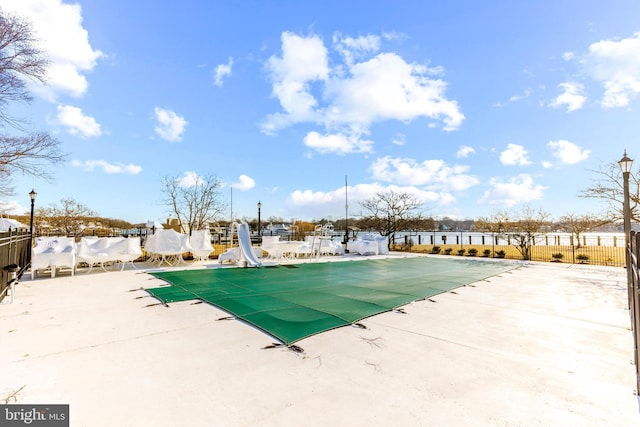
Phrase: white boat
pixel 276 230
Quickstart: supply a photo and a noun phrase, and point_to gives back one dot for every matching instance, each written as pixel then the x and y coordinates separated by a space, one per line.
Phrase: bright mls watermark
pixel 34 415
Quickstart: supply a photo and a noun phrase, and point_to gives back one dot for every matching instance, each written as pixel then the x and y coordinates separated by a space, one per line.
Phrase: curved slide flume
pixel 246 249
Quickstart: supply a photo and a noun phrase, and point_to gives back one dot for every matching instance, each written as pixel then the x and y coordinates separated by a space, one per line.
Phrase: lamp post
pixel 259 227
pixel 625 165
pixel 32 196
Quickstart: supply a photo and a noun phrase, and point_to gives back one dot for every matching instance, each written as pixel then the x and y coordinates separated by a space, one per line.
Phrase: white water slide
pixel 246 250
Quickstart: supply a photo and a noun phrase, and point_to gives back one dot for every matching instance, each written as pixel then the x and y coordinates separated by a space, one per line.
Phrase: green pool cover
pixel 292 302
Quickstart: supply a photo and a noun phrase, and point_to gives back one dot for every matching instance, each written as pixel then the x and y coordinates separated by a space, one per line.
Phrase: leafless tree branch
pixel 609 187
pixel 196 204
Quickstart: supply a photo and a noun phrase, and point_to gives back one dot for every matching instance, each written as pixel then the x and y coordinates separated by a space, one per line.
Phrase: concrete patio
pixel 546 344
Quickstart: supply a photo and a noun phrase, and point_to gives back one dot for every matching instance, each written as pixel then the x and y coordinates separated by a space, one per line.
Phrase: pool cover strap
pixel 301 300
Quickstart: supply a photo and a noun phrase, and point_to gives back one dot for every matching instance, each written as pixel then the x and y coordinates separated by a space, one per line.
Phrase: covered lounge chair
pixel 167 246
pixel 107 250
pixel 200 241
pixel 53 253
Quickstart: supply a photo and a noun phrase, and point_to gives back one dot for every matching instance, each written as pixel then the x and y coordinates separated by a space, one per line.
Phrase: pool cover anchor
pixel 291 347
pixel 158 303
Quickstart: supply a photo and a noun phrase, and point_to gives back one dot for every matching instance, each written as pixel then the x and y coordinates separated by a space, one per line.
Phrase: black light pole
pixel 625 165
pixel 32 196
pixel 259 228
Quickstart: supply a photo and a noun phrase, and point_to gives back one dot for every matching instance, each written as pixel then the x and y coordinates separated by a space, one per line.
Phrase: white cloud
pixel 568 152
pixel 307 202
pixel 349 97
pixel 515 98
pixel 337 143
pixel 355 48
pixel 434 174
pixel 59 26
pixel 430 182
pixel 514 155
pixel 12 208
pixel 616 64
pixel 109 168
pixel 190 179
pixel 573 96
pixel 464 151
pixel 386 87
pixel 303 61
pixel 222 70
pixel 400 139
pixel 244 183
pixel 170 126
pixel 509 193
pixel 77 123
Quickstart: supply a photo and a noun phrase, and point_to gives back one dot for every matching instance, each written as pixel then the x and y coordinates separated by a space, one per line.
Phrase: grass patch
pixel 598 255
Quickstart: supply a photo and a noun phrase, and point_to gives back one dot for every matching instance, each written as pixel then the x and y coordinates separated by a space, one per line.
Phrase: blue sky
pixel 470 106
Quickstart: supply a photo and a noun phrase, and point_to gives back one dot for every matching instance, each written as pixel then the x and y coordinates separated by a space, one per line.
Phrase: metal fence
pixel 15 248
pixel 600 249
pixel 633 276
pixel 101 232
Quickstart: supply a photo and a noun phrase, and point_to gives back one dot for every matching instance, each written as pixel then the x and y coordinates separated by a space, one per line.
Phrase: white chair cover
pixel 103 250
pixel 369 244
pixel 54 253
pixel 200 241
pixel 167 246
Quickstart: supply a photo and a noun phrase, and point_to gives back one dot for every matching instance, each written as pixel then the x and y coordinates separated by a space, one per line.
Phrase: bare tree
pixel 518 226
pixel 495 224
pixel 579 224
pixel 27 154
pixel 70 217
pixel 21 60
pixel 609 186
pixel 390 212
pixel 195 203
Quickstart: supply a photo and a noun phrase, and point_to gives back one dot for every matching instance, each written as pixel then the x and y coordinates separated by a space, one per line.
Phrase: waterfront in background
pixel 478 238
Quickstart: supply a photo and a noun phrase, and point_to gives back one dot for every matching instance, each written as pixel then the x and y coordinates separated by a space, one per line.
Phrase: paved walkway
pixel 546 345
